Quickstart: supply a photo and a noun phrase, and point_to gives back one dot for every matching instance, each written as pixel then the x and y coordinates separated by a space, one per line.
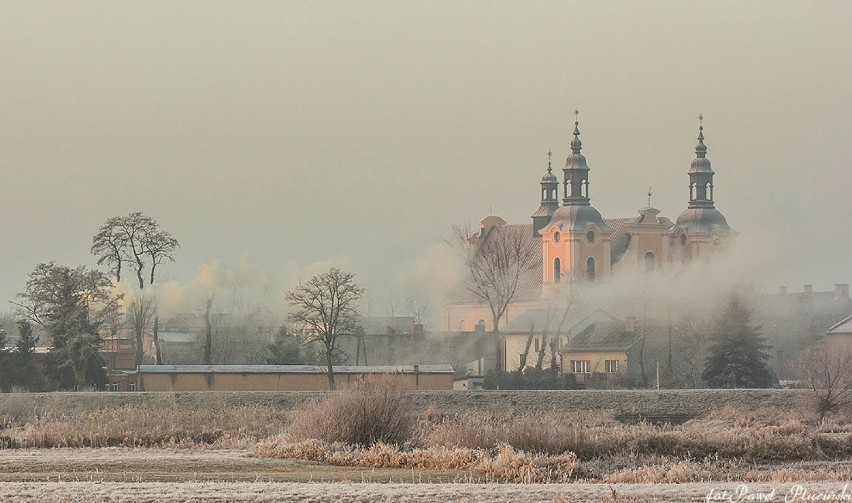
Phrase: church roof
pixel 620 237
pixel 702 220
pixel 577 217
pixel 529 284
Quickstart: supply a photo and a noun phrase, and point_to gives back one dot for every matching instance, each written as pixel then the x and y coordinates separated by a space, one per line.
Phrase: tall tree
pixel 140 312
pixel 71 306
pixel 325 308
pixel 135 239
pixel 738 353
pixel 497 259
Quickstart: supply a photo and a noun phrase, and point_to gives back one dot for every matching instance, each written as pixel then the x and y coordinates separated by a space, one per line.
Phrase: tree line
pixel 70 310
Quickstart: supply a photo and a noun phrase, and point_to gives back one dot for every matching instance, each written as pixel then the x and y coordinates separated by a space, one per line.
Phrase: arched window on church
pixel 711 190
pixel 691 191
pixel 585 186
pixel 557 270
pixel 650 263
pixel 590 269
pixel 708 191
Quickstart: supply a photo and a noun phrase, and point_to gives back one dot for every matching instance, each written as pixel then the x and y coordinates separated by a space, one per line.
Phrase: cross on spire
pixel 576 115
pixel 701 120
pixel 549 155
pixel 649 196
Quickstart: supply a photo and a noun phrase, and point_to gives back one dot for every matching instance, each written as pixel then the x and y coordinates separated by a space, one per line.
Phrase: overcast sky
pixel 357 133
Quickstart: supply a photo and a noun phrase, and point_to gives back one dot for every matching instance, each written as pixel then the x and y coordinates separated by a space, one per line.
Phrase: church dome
pixel 577 218
pixel 702 220
pixel 700 165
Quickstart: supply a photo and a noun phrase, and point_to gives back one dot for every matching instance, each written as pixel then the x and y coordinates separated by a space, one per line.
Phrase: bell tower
pixel 576 171
pixel 549 199
pixel 700 173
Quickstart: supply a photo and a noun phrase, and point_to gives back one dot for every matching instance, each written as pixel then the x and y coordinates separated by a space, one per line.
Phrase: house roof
pixel 603 336
pixel 294 369
pixel 177 337
pixel 844 327
pixel 554 320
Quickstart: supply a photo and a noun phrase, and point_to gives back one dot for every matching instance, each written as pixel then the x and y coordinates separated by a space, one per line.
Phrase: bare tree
pixel 497 259
pixel 140 313
pixel 135 239
pixel 827 371
pixel 324 307
pixel 418 305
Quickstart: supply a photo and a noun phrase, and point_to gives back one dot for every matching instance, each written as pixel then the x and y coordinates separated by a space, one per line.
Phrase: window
pixel 590 236
pixel 683 239
pixel 133 386
pixel 556 237
pixel 557 270
pixel 649 262
pixel 611 366
pixel 113 386
pixel 590 269
pixel 579 366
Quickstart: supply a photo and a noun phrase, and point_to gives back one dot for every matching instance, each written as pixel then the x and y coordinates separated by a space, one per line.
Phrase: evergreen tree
pixel 70 304
pixel 738 353
pixel 286 349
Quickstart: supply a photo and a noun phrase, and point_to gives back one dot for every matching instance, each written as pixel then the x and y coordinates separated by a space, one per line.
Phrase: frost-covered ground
pixel 230 475
pixel 411 493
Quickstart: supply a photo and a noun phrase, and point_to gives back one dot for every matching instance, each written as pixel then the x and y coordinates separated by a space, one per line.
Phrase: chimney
pixel 809 289
pixel 841 291
pixel 631 324
pixel 782 290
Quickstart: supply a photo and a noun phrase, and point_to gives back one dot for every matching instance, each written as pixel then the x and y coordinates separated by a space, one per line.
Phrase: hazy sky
pixel 358 133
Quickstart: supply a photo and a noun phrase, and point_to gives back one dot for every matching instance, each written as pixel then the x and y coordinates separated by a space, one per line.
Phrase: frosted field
pixel 411 493
pixel 229 475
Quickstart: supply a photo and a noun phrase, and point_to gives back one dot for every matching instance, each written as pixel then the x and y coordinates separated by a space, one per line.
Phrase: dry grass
pixel 136 426
pixel 501 464
pixel 376 410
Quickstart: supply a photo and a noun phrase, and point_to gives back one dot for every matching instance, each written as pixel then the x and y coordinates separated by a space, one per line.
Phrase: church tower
pixel 549 199
pixel 701 230
pixel 576 242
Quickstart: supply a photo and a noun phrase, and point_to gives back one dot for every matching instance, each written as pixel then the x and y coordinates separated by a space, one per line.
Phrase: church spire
pixel 549 198
pixel 576 171
pixel 700 173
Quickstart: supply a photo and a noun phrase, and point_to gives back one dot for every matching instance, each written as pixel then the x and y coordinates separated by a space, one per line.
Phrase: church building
pixel 577 244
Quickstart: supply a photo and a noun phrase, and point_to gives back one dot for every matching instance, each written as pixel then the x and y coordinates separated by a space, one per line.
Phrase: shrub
pixel 375 410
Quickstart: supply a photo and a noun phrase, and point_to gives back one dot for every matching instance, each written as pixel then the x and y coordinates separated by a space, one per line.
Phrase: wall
pixel 200 381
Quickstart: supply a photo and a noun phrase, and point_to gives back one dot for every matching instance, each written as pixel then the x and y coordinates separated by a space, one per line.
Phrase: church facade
pixel 577 244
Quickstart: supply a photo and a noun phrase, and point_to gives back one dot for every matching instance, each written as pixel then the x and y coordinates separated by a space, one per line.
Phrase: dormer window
pixel 683 239
pixel 556 237
pixel 590 236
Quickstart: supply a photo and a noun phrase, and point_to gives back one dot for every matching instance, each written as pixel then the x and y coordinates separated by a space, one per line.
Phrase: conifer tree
pixel 738 353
